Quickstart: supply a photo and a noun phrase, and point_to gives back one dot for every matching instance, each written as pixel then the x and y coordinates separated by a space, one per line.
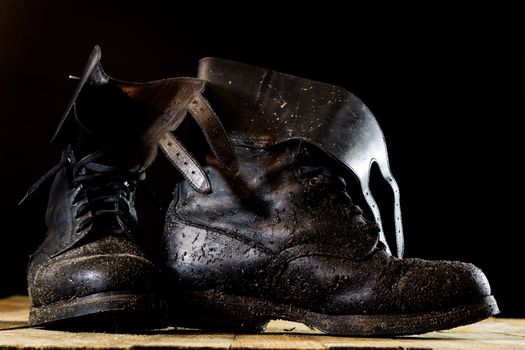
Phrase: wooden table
pixel 491 334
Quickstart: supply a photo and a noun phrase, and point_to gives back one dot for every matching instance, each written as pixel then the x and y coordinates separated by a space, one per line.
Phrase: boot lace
pixel 103 191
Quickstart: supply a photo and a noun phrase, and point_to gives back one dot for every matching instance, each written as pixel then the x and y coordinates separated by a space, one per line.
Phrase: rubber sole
pixel 220 312
pixel 109 311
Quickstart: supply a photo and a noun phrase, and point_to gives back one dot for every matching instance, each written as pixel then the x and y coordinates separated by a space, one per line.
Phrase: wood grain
pixel 492 333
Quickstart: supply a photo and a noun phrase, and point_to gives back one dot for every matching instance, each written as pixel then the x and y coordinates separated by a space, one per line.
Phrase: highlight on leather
pixel 185 163
pixel 214 132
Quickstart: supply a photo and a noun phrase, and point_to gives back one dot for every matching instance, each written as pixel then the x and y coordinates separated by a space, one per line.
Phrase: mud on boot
pixel 91 272
pixel 283 238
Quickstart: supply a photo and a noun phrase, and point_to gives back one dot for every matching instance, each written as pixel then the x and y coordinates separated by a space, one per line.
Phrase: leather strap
pixel 214 132
pixel 185 163
pixel 174 98
pixel 169 99
pixel 217 138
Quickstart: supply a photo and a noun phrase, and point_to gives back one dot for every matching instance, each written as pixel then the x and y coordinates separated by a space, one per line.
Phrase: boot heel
pixel 217 312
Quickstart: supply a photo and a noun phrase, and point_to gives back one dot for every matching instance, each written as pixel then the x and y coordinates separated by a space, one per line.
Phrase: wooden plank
pixel 277 341
pixel 14 312
pixel 14 334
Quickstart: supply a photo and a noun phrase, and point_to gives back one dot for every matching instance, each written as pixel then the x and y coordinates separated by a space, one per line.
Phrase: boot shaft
pixel 274 108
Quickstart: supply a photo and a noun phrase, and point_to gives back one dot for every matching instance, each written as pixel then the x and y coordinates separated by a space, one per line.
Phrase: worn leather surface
pixel 181 159
pixel 273 194
pixel 107 264
pixel 285 229
pixel 214 132
pixel 279 107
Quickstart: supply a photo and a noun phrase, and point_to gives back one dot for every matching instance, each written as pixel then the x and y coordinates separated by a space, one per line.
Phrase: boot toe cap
pixel 404 286
pixel 436 285
pixel 69 277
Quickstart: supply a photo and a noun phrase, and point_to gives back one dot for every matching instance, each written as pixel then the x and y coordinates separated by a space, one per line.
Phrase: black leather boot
pixel 90 271
pixel 282 237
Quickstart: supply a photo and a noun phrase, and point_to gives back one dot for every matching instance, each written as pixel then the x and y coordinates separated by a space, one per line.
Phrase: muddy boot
pixel 283 239
pixel 90 272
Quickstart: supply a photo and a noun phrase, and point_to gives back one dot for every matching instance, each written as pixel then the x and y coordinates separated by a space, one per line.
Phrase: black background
pixel 445 84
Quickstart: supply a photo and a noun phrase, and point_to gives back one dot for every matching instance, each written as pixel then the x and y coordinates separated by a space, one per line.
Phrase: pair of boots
pixel 261 225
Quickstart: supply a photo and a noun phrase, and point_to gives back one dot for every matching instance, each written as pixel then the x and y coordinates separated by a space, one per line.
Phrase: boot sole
pixel 220 312
pixel 108 311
